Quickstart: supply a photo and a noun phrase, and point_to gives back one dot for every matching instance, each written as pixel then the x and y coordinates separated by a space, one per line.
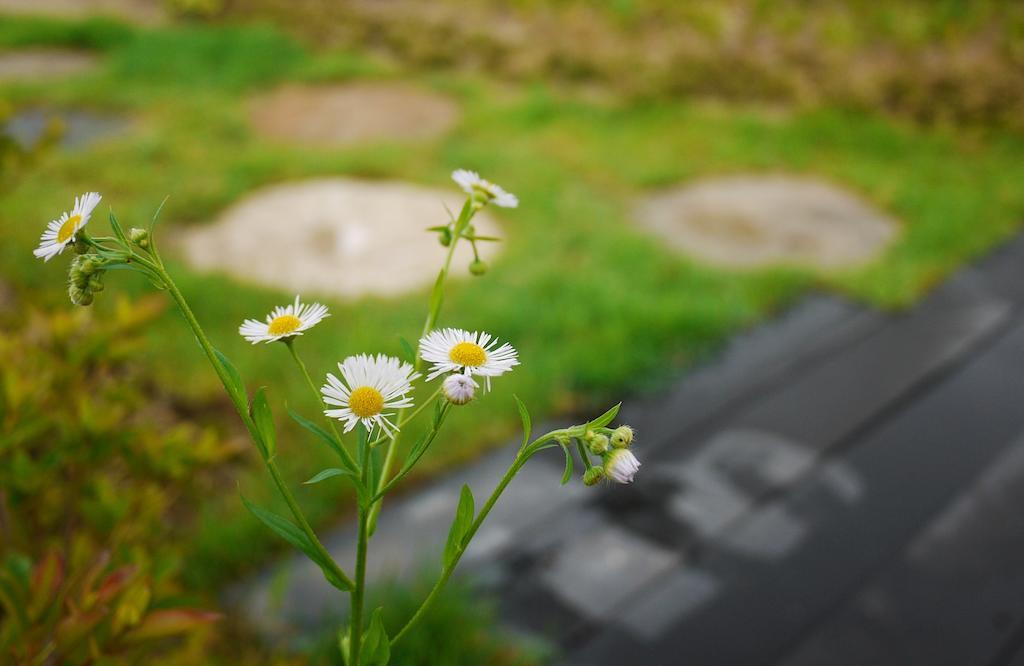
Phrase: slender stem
pixel 449 567
pixel 584 458
pixel 409 419
pixel 356 627
pixel 243 412
pixel 428 324
pixel 320 400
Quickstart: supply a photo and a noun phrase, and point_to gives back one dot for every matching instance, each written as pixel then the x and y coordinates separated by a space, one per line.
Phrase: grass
pixel 597 309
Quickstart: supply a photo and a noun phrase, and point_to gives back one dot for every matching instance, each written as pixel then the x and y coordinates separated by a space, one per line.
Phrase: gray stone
pixel 603 568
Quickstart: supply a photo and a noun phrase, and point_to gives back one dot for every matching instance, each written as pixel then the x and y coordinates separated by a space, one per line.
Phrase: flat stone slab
pixel 75 129
pixel 758 221
pixel 146 12
pixel 351 114
pixel 335 236
pixel 39 64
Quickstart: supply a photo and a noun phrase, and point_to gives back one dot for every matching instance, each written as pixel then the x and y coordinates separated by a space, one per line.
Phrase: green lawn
pixel 597 309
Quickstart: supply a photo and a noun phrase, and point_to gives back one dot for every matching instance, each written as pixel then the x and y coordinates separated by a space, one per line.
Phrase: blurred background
pixel 784 233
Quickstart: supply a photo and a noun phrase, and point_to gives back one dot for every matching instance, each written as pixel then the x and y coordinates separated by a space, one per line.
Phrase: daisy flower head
pixel 62 231
pixel 459 351
pixel 484 190
pixel 368 386
pixel 284 322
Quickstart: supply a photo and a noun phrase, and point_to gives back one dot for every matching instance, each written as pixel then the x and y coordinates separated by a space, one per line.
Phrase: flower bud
pixel 445 236
pixel 87 265
pixel 139 236
pixel 478 267
pixel 598 444
pixel 459 389
pixel 620 465
pixel 593 476
pixel 95 284
pixel 622 437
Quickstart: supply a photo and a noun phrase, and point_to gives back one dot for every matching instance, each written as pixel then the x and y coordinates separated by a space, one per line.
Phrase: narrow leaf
pixel 235 385
pixel 376 649
pixel 326 474
pixel 325 436
pixel 408 353
pixel 524 415
pixel 117 229
pixel 288 531
pixel 606 418
pixel 568 465
pixel 460 525
pixel 437 296
pixel 264 420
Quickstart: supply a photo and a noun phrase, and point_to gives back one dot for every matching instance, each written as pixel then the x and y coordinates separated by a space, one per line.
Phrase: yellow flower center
pixel 67 230
pixel 365 401
pixel 284 325
pixel 468 354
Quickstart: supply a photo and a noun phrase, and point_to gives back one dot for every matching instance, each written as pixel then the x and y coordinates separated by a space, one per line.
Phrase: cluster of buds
pixel 85 278
pixel 612 447
pixel 446 236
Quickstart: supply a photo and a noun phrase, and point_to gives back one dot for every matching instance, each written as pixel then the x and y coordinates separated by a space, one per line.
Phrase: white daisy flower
pixel 368 386
pixel 621 466
pixel 62 231
pixel 459 389
pixel 473 185
pixel 284 322
pixel 455 350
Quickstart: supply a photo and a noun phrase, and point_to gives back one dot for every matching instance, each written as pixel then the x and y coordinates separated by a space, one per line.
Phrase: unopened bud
pixel 478 267
pixel 95 284
pixel 620 465
pixel 598 444
pixel 593 476
pixel 445 236
pixel 459 389
pixel 139 236
pixel 622 437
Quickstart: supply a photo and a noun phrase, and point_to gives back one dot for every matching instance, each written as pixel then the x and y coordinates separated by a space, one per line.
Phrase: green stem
pixel 409 419
pixel 428 325
pixel 319 399
pixel 356 628
pixel 449 568
pixel 243 412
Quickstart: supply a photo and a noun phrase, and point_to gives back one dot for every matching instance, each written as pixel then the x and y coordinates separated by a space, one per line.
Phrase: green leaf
pixel 568 465
pixel 524 415
pixel 463 521
pixel 606 418
pixel 326 437
pixel 234 383
pixel 376 649
pixel 326 474
pixel 288 531
pixel 465 215
pixel 117 230
pixel 408 353
pixel 437 296
pixel 264 422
